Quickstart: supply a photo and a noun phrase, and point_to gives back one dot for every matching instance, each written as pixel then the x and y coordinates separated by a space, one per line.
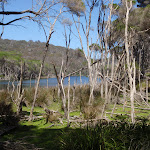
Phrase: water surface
pixel 52 82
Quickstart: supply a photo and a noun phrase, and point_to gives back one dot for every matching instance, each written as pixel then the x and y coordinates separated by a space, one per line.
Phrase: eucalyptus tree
pixel 130 31
pixel 139 23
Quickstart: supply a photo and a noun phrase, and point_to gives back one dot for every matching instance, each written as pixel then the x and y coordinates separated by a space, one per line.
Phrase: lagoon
pixel 52 82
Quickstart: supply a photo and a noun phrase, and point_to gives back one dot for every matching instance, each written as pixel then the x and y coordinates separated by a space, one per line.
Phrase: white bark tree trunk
pixel 131 69
pixel 68 116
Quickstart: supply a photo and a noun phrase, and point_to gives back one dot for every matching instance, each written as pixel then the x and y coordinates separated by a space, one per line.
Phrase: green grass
pixel 110 136
pixel 41 138
pixel 120 134
pixel 37 132
pixel 126 112
pixel 37 110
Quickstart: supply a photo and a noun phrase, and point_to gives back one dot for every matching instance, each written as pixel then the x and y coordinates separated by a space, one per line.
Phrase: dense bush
pixel 42 97
pixel 7 116
pixel 113 135
pixel 5 96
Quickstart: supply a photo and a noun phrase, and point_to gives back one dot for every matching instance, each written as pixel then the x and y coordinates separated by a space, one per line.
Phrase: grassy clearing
pixel 115 135
pixel 40 137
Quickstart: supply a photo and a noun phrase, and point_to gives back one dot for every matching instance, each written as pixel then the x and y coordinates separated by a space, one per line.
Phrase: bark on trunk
pixel 131 79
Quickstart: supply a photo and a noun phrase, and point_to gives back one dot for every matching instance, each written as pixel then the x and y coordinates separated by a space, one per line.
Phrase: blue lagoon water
pixel 52 82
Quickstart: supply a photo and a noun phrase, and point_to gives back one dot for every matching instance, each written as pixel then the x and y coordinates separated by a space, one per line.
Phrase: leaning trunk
pixel 37 85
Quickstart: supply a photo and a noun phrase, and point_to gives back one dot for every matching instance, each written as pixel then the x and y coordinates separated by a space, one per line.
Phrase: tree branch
pixel 8 23
pixel 18 12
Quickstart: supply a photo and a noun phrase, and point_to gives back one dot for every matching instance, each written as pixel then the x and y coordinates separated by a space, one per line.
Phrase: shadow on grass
pixel 41 138
pixel 112 135
pixel 28 113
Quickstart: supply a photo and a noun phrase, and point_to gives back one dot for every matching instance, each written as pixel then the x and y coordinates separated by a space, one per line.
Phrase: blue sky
pixel 28 30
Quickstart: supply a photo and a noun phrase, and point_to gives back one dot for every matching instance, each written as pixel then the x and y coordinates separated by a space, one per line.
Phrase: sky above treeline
pixel 29 30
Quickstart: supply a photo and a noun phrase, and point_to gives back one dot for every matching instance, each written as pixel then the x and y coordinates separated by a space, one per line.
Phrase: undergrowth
pixel 109 136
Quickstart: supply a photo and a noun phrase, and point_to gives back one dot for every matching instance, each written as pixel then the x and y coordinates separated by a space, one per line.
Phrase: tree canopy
pixel 143 3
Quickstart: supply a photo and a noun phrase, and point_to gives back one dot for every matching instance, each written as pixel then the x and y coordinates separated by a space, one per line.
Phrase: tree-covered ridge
pixel 13 52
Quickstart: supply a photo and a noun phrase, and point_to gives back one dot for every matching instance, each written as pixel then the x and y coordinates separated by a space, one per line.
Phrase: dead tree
pixel 68 4
pixel 86 30
pixel 130 65
pixel 51 31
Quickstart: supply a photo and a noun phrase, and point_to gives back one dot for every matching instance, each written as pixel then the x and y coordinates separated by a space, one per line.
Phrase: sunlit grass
pixel 51 135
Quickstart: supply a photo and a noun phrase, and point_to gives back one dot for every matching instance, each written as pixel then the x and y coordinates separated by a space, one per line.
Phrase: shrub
pixel 113 135
pixel 29 95
pixel 7 116
pixel 42 97
pixel 4 96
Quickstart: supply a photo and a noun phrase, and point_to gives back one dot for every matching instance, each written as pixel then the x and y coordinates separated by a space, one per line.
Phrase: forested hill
pixel 31 53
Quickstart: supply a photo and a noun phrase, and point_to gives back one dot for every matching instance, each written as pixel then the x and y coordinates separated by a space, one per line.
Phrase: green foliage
pixel 32 63
pixel 120 25
pixel 80 50
pixel 103 135
pixel 30 134
pixel 143 3
pixel 4 96
pixel 7 115
pixel 11 55
pixel 94 46
pixel 75 6
pixel 42 97
pixel 82 101
pixel 113 135
pixel 134 2
pixel 116 6
pixel 29 95
pixel 12 52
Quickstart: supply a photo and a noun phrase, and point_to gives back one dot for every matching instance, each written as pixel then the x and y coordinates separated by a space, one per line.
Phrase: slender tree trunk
pixel 37 85
pixel 140 72
pixel 64 99
pixel 68 117
pixel 43 60
pixel 112 65
pixel 47 80
pixel 124 93
pixel 19 107
pixel 80 79
pixel 102 80
pixel 73 89
pixel 131 79
pixel 146 90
